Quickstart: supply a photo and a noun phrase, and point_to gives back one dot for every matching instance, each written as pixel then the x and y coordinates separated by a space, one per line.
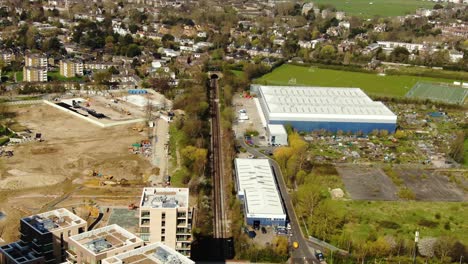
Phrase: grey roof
pixel 322 103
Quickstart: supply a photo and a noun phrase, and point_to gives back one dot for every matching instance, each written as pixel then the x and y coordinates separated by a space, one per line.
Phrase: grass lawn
pixel 238 73
pixel 11 76
pixel 55 76
pixel 363 8
pixel 407 217
pixel 390 85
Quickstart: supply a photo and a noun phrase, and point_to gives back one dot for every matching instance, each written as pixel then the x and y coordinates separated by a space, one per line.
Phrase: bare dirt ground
pixel 367 183
pixel 431 185
pixel 55 172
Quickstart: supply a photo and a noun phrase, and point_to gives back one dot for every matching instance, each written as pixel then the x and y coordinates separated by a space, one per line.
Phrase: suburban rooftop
pixel 54 220
pixel 105 239
pixel 165 198
pixel 153 253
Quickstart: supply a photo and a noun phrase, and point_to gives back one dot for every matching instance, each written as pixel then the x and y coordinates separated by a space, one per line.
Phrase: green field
pixel 438 92
pixel 403 218
pixel 55 76
pixel 390 85
pixel 363 8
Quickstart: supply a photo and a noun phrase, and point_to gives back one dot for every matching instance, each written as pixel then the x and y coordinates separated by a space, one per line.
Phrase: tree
pixel 443 247
pixel 195 158
pixel 102 77
pixel 280 244
pixel 133 50
pixel 327 52
pixel 399 54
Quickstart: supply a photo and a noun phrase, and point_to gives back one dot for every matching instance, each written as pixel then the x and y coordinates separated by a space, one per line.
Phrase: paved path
pixel 303 254
pixel 160 153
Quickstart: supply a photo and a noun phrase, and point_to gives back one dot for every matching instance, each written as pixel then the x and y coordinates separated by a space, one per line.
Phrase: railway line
pixel 217 164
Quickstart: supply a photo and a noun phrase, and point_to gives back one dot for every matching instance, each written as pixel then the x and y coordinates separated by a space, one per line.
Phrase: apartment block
pixel 35 60
pixel 44 238
pixel 34 74
pixel 7 56
pixel 19 253
pixel 71 68
pixel 165 216
pixel 154 253
pixel 93 246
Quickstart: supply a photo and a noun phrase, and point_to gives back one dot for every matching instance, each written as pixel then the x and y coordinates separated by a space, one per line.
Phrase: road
pixel 303 254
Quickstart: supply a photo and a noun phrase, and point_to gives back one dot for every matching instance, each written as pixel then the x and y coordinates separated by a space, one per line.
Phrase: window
pixel 163 231
pixel 163 223
pixel 163 238
pixel 163 216
pixel 145 237
pixel 145 213
pixel 144 229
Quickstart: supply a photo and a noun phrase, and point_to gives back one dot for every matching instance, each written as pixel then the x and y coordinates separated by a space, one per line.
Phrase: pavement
pixel 304 253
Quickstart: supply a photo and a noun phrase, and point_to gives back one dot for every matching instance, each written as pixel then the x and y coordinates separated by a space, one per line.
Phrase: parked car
pixel 319 255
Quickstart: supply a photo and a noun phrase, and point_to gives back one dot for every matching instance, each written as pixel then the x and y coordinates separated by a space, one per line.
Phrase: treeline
pixel 35 89
pixel 190 136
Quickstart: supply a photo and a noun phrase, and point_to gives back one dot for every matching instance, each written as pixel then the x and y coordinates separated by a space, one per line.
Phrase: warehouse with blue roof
pixel 316 108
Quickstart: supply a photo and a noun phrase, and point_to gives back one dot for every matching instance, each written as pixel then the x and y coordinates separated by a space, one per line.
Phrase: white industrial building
pixel 316 108
pixel 256 187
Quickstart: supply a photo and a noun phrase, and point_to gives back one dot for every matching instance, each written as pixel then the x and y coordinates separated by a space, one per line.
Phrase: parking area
pixel 266 234
pixel 248 120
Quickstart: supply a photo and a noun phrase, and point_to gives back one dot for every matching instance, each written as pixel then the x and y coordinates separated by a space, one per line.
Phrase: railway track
pixel 217 164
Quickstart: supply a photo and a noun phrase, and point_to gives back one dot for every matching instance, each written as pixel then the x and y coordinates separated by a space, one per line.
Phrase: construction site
pixel 77 164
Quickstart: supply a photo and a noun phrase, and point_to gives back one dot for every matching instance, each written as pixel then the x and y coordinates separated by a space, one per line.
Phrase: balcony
pixel 144 222
pixel 71 255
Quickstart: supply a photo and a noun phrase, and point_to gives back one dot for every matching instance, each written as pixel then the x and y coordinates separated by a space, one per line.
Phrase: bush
pixel 428 223
pixel 4 140
pixel 388 224
pixel 250 132
pixel 447 225
pixel 406 194
pixel 437 216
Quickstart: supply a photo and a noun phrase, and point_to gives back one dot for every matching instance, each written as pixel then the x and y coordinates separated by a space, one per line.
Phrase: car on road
pixel 295 245
pixel 264 231
pixel 319 255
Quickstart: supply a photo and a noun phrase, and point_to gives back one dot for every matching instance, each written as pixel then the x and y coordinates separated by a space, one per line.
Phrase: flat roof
pixel 257 184
pixel 277 129
pixel 164 198
pixel 105 239
pixel 54 220
pixel 302 103
pixel 153 253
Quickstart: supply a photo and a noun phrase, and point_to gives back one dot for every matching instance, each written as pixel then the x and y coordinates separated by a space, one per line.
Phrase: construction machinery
pixel 132 206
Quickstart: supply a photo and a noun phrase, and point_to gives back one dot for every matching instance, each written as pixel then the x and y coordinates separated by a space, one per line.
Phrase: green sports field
pixel 389 85
pixel 364 8
pixel 438 92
